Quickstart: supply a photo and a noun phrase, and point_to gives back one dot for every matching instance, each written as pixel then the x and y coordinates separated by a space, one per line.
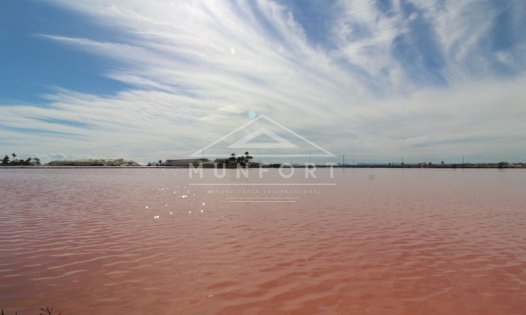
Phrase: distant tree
pixel 503 164
pixel 442 162
pixel 37 161
pixel 28 161
pixel 248 158
pixel 13 155
pixel 160 163
pixel 5 160
pixel 240 160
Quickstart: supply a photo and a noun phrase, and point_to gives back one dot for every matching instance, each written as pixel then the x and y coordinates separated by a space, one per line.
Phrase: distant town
pixel 235 161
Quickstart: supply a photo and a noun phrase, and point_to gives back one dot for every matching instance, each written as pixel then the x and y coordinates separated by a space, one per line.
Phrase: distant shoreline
pixel 369 166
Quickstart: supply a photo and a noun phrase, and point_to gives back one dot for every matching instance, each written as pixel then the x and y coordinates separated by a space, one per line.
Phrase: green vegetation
pixel 6 161
pixel 242 160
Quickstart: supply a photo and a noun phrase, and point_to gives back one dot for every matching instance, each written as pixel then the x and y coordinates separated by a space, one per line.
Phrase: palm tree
pixel 248 158
pixel 37 161
pixel 240 160
pixel 13 155
pixel 5 160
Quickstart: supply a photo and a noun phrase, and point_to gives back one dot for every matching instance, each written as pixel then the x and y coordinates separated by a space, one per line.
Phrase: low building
pixel 186 162
pixel 92 162
pixel 221 162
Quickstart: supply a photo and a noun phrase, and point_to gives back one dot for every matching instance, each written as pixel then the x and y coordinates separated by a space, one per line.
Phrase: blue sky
pixel 374 80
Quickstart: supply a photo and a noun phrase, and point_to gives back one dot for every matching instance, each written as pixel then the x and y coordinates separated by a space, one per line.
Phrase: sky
pixel 377 80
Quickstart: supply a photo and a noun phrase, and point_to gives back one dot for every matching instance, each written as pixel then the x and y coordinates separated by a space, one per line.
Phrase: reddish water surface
pixel 368 241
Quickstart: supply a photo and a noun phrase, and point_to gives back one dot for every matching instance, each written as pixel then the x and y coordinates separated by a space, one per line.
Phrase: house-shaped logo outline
pixel 280 142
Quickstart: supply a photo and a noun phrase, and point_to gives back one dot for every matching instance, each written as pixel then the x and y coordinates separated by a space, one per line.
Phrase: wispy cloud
pixel 424 79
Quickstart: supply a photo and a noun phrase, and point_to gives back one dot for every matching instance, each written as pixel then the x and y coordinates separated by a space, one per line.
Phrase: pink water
pixel 368 241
